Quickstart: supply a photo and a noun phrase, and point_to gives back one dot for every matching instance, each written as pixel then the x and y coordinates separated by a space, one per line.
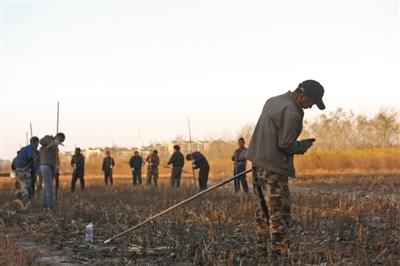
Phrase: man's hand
pixel 307 144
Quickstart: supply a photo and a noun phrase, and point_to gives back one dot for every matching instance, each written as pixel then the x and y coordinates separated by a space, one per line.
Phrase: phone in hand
pixel 311 139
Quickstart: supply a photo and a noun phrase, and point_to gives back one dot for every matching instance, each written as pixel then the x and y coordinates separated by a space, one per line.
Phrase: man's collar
pixel 294 99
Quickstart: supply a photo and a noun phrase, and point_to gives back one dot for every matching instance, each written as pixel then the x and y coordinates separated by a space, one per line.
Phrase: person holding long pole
pixel 272 148
pixel 200 162
pixel 48 164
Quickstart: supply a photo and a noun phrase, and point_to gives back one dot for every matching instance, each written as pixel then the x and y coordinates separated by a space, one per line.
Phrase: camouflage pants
pixel 274 189
pixel 24 178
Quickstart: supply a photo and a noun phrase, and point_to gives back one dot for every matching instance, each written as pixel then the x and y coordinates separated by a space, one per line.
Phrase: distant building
pixel 90 152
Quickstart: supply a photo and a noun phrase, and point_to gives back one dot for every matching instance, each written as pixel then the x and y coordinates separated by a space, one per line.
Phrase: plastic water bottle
pixel 89 233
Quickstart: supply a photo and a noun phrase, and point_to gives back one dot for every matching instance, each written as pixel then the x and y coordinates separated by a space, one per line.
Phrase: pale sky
pixel 123 67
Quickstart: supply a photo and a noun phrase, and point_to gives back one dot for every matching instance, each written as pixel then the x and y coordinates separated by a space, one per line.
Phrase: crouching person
pixel 200 162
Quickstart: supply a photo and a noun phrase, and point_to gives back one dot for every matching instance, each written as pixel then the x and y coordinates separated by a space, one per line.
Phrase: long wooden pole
pixel 58 115
pixel 195 196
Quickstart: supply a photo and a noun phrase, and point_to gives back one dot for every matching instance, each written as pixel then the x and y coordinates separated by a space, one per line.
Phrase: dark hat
pixel 313 90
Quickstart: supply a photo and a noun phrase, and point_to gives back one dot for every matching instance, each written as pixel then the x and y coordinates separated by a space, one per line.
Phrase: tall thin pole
pixel 58 115
pixel 191 151
pixel 57 172
pixel 30 125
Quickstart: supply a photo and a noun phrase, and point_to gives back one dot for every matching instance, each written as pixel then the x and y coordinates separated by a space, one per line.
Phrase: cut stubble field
pixel 345 219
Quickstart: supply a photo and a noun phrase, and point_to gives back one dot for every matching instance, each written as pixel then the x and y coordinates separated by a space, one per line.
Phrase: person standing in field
pixel 178 161
pixel 200 162
pixel 78 168
pixel 136 162
pixel 25 167
pixel 108 165
pixel 49 164
pixel 240 162
pixel 271 150
pixel 152 169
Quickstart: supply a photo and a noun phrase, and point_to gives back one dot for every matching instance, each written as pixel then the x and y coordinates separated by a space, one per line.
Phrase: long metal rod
pixel 195 196
pixel 191 152
pixel 30 125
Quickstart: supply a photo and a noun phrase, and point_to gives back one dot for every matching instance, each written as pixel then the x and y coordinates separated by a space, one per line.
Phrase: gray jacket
pixel 48 156
pixel 274 140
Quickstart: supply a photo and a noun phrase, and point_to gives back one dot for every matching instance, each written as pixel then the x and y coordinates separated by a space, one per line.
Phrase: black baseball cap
pixel 314 90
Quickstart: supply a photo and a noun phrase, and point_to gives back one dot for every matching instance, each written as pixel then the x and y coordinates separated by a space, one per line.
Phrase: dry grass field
pixel 336 220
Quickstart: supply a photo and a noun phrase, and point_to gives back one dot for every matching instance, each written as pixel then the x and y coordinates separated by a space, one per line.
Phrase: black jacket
pixel 107 162
pixel 199 160
pixel 136 162
pixel 177 159
pixel 79 162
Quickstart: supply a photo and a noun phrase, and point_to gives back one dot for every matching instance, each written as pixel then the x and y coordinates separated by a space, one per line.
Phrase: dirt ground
pixel 336 220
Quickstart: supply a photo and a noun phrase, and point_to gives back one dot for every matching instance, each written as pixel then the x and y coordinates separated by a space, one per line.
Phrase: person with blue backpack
pixel 25 168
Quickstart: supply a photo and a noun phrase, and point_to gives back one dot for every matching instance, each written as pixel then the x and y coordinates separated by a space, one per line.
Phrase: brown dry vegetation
pixel 337 220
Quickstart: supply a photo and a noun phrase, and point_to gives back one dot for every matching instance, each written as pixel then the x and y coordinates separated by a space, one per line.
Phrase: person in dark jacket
pixel 108 165
pixel 152 169
pixel 25 165
pixel 240 163
pixel 272 148
pixel 136 162
pixel 200 162
pixel 78 166
pixel 178 161
pixel 49 164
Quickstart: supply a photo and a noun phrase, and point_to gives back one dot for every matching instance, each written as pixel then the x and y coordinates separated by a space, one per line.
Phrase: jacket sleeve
pixel 288 131
pixel 158 161
pixel 72 160
pixel 112 162
pixel 196 158
pixel 172 159
pixel 131 162
pixel 104 165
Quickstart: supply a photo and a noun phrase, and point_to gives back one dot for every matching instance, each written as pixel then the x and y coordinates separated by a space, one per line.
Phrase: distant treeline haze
pixel 346 142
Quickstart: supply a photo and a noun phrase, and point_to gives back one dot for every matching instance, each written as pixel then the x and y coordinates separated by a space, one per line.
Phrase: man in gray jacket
pixel 49 163
pixel 273 145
